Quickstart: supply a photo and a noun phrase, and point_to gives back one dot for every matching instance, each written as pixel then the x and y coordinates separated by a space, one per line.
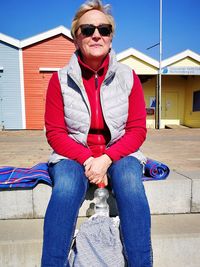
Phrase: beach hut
pixel 181 84
pixel 180 92
pixel 43 54
pixel 12 114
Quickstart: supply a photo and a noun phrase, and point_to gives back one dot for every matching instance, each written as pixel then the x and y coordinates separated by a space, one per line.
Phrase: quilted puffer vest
pixel 114 94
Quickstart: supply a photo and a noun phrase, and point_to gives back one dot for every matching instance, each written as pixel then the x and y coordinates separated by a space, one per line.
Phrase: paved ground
pixel 179 148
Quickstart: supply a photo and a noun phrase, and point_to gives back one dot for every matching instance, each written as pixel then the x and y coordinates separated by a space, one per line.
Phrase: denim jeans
pixel 69 189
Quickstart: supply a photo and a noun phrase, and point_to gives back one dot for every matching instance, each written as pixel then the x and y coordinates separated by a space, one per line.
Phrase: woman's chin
pixel 98 54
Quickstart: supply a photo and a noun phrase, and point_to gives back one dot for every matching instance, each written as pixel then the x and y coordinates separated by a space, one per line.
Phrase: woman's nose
pixel 96 34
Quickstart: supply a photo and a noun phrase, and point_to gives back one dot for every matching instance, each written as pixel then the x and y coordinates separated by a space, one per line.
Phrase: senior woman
pixel 95 122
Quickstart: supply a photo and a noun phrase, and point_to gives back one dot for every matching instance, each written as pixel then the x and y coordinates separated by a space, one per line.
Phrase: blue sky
pixel 137 22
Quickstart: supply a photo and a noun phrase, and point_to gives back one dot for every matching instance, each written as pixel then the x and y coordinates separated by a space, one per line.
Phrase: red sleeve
pixel 56 129
pixel 135 131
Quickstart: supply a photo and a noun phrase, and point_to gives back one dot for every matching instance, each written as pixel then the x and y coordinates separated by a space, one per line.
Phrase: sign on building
pixel 181 70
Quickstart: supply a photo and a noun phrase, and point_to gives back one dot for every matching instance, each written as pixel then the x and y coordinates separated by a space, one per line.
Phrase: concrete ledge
pixel 175 239
pixel 194 176
pixel 16 204
pixel 172 195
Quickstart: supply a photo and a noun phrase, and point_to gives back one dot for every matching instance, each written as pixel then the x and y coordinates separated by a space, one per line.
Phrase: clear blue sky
pixel 137 22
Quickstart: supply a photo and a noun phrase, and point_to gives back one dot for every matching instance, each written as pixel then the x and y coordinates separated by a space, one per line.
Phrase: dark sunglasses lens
pixel 87 30
pixel 105 30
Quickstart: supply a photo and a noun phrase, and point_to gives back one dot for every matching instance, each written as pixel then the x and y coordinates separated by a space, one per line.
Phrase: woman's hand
pixel 86 163
pixel 96 169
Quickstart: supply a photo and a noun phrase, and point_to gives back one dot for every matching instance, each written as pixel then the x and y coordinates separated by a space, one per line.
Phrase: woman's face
pixel 95 47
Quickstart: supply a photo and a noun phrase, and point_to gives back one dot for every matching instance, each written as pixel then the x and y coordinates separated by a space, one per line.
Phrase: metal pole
pixel 159 89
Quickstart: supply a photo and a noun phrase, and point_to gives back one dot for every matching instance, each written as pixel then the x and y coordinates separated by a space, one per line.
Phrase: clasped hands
pixel 96 169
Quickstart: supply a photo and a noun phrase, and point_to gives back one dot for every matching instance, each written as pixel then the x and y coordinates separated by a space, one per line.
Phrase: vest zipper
pixel 96 80
pixel 96 100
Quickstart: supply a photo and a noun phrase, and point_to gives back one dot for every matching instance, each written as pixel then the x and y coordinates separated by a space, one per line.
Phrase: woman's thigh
pixel 69 180
pixel 126 177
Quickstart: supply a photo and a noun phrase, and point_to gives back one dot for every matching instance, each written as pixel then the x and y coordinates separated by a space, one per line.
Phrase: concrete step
pixel 175 240
pixel 177 194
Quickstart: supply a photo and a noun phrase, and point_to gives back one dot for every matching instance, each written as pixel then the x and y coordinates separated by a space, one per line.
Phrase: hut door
pixel 171 106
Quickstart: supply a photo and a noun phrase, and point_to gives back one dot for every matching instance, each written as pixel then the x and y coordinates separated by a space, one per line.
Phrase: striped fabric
pixel 155 170
pixel 97 244
pixel 12 177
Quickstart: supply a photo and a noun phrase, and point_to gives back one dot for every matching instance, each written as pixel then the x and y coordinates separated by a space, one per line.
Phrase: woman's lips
pixel 95 45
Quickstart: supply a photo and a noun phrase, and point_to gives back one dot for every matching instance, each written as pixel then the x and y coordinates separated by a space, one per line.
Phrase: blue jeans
pixel 69 189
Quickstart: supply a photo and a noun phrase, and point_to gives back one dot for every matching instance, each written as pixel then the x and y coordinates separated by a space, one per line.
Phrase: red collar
pixel 87 72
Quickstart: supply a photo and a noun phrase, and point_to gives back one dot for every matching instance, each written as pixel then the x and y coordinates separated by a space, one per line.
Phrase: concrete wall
pixel 176 194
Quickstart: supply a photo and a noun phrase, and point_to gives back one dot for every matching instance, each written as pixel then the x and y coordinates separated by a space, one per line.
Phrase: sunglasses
pixel 88 30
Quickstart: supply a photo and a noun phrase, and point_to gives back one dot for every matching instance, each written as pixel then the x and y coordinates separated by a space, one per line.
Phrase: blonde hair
pixel 92 5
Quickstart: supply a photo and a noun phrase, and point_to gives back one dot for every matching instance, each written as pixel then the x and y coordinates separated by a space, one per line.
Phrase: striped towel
pixel 12 177
pixel 155 170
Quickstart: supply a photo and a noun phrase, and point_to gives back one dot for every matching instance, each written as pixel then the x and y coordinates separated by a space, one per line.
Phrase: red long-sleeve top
pixel 99 135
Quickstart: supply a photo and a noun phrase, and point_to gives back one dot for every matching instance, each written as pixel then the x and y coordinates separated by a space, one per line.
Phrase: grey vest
pixel 114 94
